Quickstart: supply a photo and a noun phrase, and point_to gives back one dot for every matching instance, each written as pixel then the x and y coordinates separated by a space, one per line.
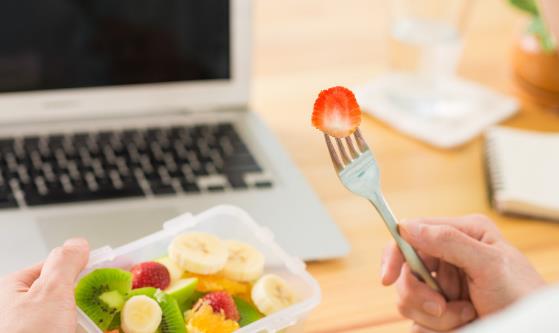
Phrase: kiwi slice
pixel 115 324
pixel 249 314
pixel 173 320
pixel 101 294
pixel 146 291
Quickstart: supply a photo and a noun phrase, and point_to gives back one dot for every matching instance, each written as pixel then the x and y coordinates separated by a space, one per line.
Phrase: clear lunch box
pixel 227 222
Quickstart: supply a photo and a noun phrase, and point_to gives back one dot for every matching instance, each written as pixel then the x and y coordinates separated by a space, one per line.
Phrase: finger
pixel 417 296
pixel 392 260
pixel 25 278
pixel 476 226
pixel 64 264
pixel 391 264
pixel 448 277
pixel 431 263
pixel 457 314
pixel 449 244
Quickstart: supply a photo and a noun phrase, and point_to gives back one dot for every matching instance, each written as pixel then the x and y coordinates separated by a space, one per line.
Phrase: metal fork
pixel 359 172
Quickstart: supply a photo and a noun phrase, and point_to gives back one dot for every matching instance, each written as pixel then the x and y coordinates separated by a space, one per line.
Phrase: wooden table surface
pixel 301 47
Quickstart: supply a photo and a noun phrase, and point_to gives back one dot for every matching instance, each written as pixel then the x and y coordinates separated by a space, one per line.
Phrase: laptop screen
pixel 56 44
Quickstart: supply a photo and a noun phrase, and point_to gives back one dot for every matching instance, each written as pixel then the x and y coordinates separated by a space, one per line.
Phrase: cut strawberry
pixel 221 302
pixel 150 274
pixel 336 112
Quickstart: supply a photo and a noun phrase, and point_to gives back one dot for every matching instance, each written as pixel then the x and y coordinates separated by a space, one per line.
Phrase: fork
pixel 359 172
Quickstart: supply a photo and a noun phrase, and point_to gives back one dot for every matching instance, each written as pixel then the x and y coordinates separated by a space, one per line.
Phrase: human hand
pixel 41 298
pixel 478 270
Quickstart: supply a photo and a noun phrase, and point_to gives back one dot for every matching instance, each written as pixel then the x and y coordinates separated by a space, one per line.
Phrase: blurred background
pixel 301 47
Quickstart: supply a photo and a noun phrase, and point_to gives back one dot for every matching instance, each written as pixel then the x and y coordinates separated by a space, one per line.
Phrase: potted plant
pixel 535 58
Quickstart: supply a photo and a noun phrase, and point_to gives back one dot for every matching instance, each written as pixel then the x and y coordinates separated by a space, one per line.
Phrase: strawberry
pixel 221 302
pixel 336 112
pixel 150 274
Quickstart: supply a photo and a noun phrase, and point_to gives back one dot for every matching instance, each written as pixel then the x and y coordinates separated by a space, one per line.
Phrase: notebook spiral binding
pixel 494 176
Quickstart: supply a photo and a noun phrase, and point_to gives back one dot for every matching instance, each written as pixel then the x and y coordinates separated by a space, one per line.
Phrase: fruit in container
pixel 217 282
pixel 336 112
pixel 150 274
pixel 172 320
pixel 271 293
pixel 198 252
pixel 169 295
pixel 182 290
pixel 247 312
pixel 244 263
pixel 101 294
pixel 221 302
pixel 140 314
pixel 146 291
pixel 175 271
pixel 203 319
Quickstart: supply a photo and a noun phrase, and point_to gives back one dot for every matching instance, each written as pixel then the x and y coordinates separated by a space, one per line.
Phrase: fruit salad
pixel 203 285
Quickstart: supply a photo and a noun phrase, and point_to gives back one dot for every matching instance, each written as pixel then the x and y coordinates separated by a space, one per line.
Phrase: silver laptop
pixel 118 115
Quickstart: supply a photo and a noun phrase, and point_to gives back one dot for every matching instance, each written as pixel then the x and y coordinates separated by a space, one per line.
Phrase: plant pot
pixel 537 71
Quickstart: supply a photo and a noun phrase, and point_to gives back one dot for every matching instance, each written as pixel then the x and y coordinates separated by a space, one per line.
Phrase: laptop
pixel 118 115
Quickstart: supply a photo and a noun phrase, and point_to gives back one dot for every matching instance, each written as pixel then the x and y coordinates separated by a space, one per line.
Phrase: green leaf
pixel 537 27
pixel 528 6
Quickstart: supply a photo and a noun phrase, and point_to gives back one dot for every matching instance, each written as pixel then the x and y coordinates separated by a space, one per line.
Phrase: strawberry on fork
pixel 336 112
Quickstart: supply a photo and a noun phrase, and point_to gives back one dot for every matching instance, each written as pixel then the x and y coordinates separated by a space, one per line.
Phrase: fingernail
pixel 468 313
pixel 432 308
pixel 382 270
pixel 75 242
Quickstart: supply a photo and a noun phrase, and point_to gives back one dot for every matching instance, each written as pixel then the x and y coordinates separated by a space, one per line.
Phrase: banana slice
pixel 175 272
pixel 140 314
pixel 271 294
pixel 198 252
pixel 244 264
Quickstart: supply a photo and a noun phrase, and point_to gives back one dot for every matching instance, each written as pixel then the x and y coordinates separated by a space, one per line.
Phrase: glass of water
pixel 425 47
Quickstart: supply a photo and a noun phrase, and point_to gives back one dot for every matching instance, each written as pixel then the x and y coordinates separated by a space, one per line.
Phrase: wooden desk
pixel 304 46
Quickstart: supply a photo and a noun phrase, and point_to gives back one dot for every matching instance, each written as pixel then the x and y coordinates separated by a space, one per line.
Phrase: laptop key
pixel 189 186
pixel 7 199
pixel 158 188
pixel 263 184
pixel 237 181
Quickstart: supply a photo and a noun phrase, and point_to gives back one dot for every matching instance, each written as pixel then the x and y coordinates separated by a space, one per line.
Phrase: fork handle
pixel 412 258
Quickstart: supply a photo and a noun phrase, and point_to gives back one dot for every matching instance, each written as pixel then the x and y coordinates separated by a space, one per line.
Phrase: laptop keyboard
pixel 86 166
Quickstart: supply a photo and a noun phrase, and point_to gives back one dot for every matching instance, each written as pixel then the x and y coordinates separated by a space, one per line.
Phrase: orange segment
pixel 217 282
pixel 205 320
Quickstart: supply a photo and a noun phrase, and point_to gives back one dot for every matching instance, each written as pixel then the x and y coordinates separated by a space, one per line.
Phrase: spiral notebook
pixel 523 169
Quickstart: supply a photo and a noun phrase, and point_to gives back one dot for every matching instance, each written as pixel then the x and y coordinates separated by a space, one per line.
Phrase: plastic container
pixel 227 222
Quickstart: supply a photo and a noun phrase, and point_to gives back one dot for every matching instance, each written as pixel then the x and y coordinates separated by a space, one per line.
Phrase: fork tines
pixel 339 164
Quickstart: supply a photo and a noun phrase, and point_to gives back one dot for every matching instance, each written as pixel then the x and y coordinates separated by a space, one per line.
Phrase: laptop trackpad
pixel 114 228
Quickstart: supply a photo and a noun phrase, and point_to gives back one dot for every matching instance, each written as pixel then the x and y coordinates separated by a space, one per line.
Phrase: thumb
pixel 64 264
pixel 448 244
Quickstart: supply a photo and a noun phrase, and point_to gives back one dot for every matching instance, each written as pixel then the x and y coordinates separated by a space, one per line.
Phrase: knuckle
pixel 445 234
pixel 484 222
pixel 65 251
pixel 57 251
pixel 480 218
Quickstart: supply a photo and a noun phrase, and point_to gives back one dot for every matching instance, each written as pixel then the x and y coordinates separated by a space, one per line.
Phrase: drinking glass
pixel 425 45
